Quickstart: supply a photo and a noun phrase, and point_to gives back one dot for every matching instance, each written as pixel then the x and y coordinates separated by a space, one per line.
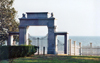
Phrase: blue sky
pixel 77 17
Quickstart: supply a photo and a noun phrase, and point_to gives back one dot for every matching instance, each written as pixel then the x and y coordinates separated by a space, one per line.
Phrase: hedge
pixel 8 52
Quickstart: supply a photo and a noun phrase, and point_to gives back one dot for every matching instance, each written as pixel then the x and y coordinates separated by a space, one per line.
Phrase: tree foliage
pixel 29 41
pixel 7 19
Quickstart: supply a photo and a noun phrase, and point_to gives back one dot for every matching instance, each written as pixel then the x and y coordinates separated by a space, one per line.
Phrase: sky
pixel 77 17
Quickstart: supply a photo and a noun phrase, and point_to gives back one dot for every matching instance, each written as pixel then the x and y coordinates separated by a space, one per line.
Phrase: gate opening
pixel 38 36
pixel 60 44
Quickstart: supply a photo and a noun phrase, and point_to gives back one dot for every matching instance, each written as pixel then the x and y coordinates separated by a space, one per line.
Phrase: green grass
pixel 56 59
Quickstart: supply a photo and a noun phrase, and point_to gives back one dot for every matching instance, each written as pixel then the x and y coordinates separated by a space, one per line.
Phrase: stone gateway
pixel 39 19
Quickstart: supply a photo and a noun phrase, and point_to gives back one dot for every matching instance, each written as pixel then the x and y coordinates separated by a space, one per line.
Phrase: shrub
pixel 8 52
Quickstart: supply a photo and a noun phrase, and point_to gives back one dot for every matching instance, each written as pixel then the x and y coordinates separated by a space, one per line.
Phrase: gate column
pixel 22 35
pixel 66 44
pixel 51 41
pixel 10 40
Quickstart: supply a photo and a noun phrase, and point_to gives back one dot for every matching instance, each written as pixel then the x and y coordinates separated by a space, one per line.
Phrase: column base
pixel 52 52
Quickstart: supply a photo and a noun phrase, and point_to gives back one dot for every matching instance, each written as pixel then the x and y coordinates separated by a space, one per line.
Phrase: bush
pixel 8 52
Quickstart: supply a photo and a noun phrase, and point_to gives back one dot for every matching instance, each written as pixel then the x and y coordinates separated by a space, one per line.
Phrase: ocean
pixel 85 40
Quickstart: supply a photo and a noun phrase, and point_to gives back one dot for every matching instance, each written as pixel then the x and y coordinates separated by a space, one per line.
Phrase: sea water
pixel 86 40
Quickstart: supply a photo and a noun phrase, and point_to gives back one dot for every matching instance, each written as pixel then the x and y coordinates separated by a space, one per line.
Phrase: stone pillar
pixel 70 42
pixel 91 49
pixel 27 38
pixel 51 41
pixel 80 50
pixel 74 47
pixel 22 35
pixel 27 42
pixel 56 42
pixel 10 40
pixel 65 44
pixel 90 45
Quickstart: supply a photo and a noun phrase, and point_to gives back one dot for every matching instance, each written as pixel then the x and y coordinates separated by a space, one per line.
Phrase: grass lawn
pixel 55 59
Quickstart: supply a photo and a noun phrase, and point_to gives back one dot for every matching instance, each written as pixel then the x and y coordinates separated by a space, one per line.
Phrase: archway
pixel 38 19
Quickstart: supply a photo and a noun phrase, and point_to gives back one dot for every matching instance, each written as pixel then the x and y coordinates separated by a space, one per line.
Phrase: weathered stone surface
pixel 37 14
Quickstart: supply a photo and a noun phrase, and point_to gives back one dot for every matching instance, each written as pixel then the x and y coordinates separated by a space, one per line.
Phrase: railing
pixel 73 48
pixel 83 50
pixel 90 50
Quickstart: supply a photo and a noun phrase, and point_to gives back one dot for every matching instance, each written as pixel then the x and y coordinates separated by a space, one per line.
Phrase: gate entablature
pixel 37 19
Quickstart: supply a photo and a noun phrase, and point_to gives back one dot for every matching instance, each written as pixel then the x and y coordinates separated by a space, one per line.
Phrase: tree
pixel 7 19
pixel 29 41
